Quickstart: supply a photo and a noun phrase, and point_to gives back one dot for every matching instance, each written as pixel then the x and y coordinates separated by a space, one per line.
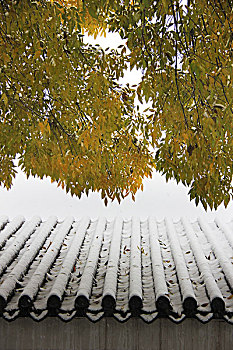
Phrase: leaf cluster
pixel 63 111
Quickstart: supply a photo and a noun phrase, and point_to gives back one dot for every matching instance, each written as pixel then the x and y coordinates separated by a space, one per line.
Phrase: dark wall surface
pixel 108 334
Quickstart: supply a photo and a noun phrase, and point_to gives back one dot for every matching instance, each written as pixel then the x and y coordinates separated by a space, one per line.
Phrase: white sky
pixel 40 197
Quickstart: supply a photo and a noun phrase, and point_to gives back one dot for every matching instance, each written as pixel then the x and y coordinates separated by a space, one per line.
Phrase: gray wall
pixel 108 334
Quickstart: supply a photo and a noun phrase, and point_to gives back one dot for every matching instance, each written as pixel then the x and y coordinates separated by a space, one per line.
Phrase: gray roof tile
pixel 118 268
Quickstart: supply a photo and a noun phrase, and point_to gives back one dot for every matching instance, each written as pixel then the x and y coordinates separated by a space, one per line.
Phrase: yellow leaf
pixel 41 126
pixel 4 98
pixel 37 54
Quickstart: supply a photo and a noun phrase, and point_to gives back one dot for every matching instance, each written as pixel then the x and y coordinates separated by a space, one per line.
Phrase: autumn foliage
pixel 64 114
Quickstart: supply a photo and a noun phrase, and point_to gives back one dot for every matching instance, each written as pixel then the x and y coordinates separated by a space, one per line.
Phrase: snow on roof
pixel 118 268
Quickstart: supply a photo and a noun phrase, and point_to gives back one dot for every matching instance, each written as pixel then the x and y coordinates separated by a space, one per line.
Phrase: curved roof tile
pixel 119 268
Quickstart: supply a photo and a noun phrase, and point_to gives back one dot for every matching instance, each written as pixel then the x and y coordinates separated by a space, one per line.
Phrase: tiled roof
pixel 118 268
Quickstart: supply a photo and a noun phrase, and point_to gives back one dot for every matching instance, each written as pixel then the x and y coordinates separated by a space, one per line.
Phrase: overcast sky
pixel 40 197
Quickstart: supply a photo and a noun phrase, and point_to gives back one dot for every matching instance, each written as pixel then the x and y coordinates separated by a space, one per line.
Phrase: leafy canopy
pixel 65 115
